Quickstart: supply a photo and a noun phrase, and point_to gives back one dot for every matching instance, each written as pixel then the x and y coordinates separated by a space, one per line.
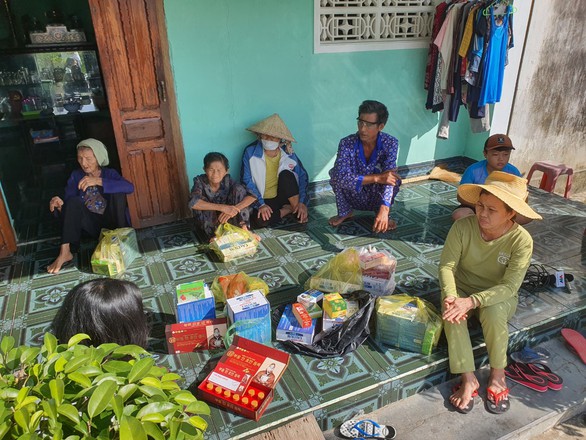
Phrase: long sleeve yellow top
pixel 490 272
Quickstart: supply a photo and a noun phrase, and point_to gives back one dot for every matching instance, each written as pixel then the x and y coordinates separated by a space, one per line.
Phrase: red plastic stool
pixel 551 172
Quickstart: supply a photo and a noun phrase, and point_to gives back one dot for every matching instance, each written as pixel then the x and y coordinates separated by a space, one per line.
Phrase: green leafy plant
pixel 72 391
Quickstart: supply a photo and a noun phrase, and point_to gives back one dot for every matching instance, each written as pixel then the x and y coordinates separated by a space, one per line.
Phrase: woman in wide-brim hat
pixel 273 173
pixel 482 266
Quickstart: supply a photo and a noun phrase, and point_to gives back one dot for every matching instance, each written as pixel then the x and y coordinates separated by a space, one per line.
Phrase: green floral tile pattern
pixel 331 389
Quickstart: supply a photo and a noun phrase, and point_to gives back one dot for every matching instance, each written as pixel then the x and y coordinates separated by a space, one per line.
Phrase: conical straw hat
pixel 273 126
pixel 510 189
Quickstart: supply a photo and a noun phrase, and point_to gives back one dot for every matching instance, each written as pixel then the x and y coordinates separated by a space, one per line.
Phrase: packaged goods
pixel 194 302
pixel 232 242
pixel 116 251
pixel 334 305
pixel 207 334
pixel 290 330
pixel 250 316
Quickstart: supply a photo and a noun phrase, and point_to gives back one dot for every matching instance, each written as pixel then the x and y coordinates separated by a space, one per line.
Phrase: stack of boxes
pixel 378 271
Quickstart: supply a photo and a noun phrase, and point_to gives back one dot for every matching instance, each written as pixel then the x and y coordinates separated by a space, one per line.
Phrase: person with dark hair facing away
pixel 364 175
pixel 497 152
pixel 95 198
pixel 216 198
pixel 106 309
pixel 274 174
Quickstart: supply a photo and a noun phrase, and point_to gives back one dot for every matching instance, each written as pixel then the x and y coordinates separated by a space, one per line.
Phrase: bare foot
pixel 392 225
pixel 463 395
pixel 64 256
pixel 338 220
pixel 286 210
pixel 497 381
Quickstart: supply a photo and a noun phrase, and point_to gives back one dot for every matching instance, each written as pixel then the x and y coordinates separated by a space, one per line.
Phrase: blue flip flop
pixel 366 429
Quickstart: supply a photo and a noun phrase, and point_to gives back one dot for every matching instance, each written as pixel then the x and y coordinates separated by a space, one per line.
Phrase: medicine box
pixel 250 315
pixel 207 334
pixel 290 330
pixel 244 379
pixel 195 302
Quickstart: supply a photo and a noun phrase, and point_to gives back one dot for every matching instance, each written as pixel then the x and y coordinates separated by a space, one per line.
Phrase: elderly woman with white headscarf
pixel 95 198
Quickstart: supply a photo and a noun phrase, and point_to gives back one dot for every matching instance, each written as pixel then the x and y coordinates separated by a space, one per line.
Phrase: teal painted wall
pixel 238 61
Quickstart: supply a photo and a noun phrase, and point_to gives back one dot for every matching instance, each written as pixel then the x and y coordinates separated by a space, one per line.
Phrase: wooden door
pixel 7 238
pixel 133 49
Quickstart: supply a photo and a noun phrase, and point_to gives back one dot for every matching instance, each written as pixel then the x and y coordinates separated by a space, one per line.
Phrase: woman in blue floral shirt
pixel 364 176
pixel 216 198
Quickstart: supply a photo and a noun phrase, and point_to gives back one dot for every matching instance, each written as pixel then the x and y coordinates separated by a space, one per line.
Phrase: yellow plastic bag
pixel 233 242
pixel 116 250
pixel 229 286
pixel 408 323
pixel 340 274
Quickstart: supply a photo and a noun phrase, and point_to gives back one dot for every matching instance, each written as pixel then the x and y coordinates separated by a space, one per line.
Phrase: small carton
pixel 195 301
pixel 290 330
pixel 250 314
pixel 303 318
pixel 373 259
pixel 310 297
pixel 328 322
pixel 334 305
pixel 244 379
pixel 186 337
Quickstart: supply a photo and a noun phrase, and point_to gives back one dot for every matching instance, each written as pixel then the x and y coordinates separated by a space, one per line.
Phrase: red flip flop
pixel 554 381
pixel 523 375
pixel 576 341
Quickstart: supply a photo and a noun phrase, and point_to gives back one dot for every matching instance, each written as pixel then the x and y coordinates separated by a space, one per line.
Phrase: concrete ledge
pixel 429 415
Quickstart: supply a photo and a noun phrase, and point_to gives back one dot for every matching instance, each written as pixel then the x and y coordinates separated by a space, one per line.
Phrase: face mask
pixel 269 145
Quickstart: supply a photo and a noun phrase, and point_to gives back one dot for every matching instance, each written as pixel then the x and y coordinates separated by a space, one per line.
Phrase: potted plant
pixel 73 392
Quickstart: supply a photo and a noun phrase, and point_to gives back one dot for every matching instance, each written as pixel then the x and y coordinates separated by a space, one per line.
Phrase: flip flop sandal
pixel 523 375
pixel 470 405
pixel 529 355
pixel 366 429
pixel 497 403
pixel 554 381
pixel 576 341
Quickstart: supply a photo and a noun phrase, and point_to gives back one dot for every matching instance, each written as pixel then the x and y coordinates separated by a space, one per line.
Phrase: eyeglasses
pixel 362 123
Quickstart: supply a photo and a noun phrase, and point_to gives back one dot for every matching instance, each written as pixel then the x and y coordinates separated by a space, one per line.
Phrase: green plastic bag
pixel 232 242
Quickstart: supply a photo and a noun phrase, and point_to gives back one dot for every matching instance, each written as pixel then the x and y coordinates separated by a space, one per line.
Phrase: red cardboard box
pixel 246 370
pixel 199 335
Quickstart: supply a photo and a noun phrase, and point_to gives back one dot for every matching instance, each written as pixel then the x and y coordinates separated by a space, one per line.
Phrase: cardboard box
pixel 246 367
pixel 232 245
pixel 334 305
pixel 327 285
pixel 195 301
pixel 379 286
pixel 250 314
pixel 373 259
pixel 303 318
pixel 404 329
pixel 290 330
pixel 116 250
pixel 310 297
pixel 187 337
pixel 328 322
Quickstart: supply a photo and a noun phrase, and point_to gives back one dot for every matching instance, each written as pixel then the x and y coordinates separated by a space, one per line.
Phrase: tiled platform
pixel 331 389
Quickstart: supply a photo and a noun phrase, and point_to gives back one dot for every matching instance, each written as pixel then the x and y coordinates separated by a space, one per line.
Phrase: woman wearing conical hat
pixel 274 174
pixel 482 266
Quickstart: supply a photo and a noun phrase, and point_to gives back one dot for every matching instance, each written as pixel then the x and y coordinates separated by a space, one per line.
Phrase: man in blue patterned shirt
pixel 364 175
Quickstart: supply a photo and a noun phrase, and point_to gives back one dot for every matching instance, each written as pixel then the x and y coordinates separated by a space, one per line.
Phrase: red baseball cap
pixel 498 141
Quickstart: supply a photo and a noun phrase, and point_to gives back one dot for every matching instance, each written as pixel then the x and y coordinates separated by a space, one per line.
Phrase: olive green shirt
pixel 490 272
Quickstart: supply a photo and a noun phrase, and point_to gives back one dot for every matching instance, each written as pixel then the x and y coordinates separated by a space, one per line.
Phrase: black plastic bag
pixel 340 340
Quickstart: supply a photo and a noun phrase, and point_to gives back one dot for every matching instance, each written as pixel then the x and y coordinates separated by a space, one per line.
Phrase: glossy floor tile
pixel 331 389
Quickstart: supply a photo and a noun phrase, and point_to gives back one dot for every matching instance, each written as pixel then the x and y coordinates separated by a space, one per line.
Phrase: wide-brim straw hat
pixel 273 126
pixel 508 188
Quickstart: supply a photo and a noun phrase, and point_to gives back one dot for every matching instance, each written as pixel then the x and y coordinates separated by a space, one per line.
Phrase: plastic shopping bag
pixel 340 274
pixel 232 242
pixel 339 340
pixel 229 286
pixel 116 250
pixel 408 323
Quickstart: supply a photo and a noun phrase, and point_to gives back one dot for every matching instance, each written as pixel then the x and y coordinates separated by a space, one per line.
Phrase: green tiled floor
pixel 331 389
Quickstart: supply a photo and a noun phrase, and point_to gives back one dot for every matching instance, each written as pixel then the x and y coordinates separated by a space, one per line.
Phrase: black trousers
pixel 76 218
pixel 287 187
